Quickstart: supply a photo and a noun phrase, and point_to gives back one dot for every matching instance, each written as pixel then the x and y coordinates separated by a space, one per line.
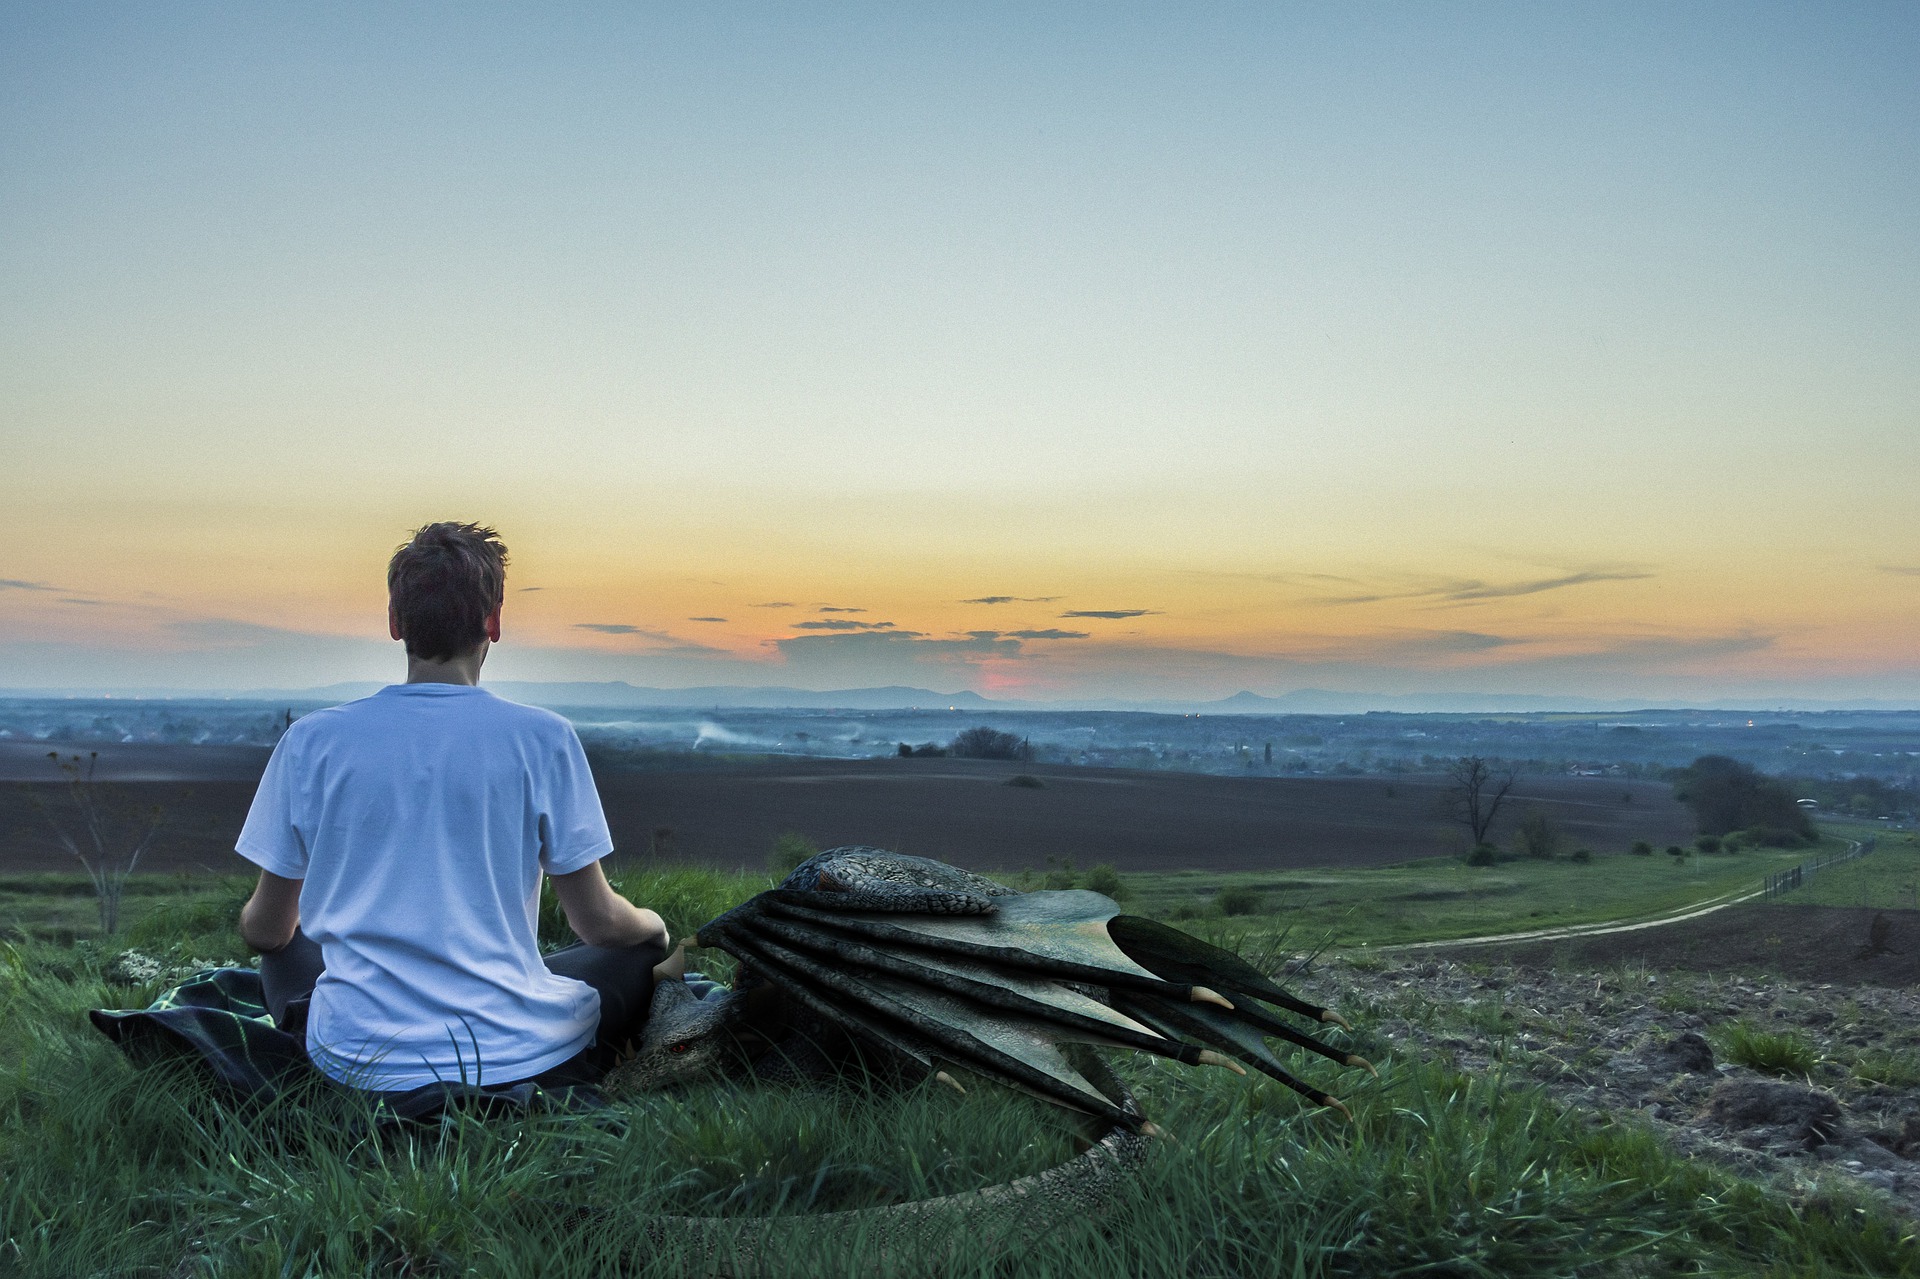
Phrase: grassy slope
pixel 114 1171
pixel 1886 879
pixel 1442 897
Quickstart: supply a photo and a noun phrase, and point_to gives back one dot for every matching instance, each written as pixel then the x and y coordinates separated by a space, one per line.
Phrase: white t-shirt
pixel 421 819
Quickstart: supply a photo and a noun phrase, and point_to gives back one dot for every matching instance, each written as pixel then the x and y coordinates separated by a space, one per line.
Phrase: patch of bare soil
pixel 963 812
pixel 1652 1047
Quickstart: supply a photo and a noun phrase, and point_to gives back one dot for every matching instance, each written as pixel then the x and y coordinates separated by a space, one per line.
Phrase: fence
pixel 1785 881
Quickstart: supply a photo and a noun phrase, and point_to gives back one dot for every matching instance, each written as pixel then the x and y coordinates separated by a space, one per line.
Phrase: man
pixel 401 840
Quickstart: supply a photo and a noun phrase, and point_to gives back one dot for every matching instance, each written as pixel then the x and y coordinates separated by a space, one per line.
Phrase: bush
pixel 1641 848
pixel 1708 843
pixel 1537 836
pixel 1775 837
pixel 789 850
pixel 1582 855
pixel 1240 900
pixel 988 743
pixel 1104 879
pixel 1025 780
pixel 1483 855
pixel 1060 874
pixel 925 750
pixel 1676 852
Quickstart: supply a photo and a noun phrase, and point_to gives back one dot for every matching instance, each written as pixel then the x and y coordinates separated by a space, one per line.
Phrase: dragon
pixel 910 969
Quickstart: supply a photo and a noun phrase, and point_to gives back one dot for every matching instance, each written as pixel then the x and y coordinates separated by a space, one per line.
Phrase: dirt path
pixel 1693 911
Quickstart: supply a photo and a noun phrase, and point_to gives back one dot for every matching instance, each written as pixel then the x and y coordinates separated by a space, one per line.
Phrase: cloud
pixel 15 584
pixel 1473 590
pixel 1903 570
pixel 525 589
pixel 706 619
pixel 774 604
pixel 67 599
pixel 668 644
pixel 846 624
pixel 1048 634
pixel 1111 614
pixel 1013 599
pixel 614 628
pixel 828 608
pixel 869 658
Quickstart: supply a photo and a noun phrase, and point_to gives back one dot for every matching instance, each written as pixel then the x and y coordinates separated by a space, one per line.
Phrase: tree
pixel 988 743
pixel 102 832
pixel 1478 790
pixel 1727 795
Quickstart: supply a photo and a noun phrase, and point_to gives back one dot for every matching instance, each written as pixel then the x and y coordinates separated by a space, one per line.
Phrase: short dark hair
pixel 442 584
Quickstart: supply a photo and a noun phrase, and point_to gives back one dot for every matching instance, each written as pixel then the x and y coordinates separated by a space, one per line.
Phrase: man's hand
pixel 268 920
pixel 602 917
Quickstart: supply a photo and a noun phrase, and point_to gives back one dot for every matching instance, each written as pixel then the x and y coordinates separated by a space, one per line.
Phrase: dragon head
pixel 688 1036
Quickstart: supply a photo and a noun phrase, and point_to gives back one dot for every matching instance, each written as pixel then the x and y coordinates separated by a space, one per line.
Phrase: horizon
pixel 1054 356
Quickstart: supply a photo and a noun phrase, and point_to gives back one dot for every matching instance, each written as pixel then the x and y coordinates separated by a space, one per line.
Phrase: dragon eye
pixel 679 1048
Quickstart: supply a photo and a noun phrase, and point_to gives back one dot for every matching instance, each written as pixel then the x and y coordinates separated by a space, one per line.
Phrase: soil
pixel 1627 1044
pixel 959 811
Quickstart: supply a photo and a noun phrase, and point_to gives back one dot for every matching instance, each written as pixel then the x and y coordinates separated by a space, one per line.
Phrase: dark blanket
pixel 218 1019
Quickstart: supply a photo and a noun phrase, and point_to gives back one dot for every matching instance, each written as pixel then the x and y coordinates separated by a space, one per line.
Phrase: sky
pixel 1050 351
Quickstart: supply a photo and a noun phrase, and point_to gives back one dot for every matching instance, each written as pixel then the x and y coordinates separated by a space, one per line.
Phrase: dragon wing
pixel 930 964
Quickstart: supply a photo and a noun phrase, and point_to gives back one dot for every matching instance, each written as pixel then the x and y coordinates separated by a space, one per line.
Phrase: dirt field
pixel 1807 943
pixel 955 810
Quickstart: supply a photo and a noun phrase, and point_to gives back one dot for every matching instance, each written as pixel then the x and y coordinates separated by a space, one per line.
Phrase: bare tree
pixel 104 836
pixel 1478 791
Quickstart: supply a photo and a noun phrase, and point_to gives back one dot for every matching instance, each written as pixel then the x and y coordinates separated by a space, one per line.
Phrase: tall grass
pixel 116 1171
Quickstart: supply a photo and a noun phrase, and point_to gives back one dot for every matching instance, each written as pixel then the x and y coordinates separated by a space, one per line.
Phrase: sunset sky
pixel 1049 351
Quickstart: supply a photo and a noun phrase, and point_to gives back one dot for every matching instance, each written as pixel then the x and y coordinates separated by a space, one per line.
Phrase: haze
pixel 1051 352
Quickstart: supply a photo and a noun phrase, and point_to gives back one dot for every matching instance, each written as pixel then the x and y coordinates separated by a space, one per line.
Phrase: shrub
pixel 1483 855
pixel 789 850
pixel 1708 843
pixel 1106 880
pixel 1769 1052
pixel 1582 855
pixel 1726 795
pixel 1676 852
pixel 1536 836
pixel 1239 899
pixel 1641 848
pixel 1775 837
pixel 924 750
pixel 1025 780
pixel 988 743
pixel 1060 874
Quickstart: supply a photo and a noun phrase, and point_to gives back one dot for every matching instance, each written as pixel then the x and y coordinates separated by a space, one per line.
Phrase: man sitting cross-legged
pixel 401 840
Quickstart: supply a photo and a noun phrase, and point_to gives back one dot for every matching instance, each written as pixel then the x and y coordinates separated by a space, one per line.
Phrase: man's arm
pixel 602 917
pixel 270 916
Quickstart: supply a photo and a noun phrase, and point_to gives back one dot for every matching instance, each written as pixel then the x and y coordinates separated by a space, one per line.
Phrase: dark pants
pixel 623 976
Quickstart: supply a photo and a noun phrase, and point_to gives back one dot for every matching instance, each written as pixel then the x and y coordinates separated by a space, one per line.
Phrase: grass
pixel 1439 898
pixel 1769 1052
pixel 117 1171
pixel 1888 878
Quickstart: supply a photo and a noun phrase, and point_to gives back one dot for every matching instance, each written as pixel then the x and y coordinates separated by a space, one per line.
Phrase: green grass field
pixel 117 1171
pixel 1888 878
pixel 1442 897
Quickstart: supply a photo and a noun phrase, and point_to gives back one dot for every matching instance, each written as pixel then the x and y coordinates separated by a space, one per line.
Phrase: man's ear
pixel 493 626
pixel 393 621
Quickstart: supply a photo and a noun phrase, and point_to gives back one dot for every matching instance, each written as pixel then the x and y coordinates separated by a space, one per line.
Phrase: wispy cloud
pixel 15 584
pixel 1903 570
pixel 1049 634
pixel 775 604
pixel 68 599
pixel 1455 591
pixel 829 608
pixel 1112 614
pixel 1012 599
pixel 844 624
pixel 525 589
pixel 609 628
pixel 706 619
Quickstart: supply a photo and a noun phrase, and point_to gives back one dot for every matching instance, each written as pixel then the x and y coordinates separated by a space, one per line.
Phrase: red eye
pixel 679 1048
